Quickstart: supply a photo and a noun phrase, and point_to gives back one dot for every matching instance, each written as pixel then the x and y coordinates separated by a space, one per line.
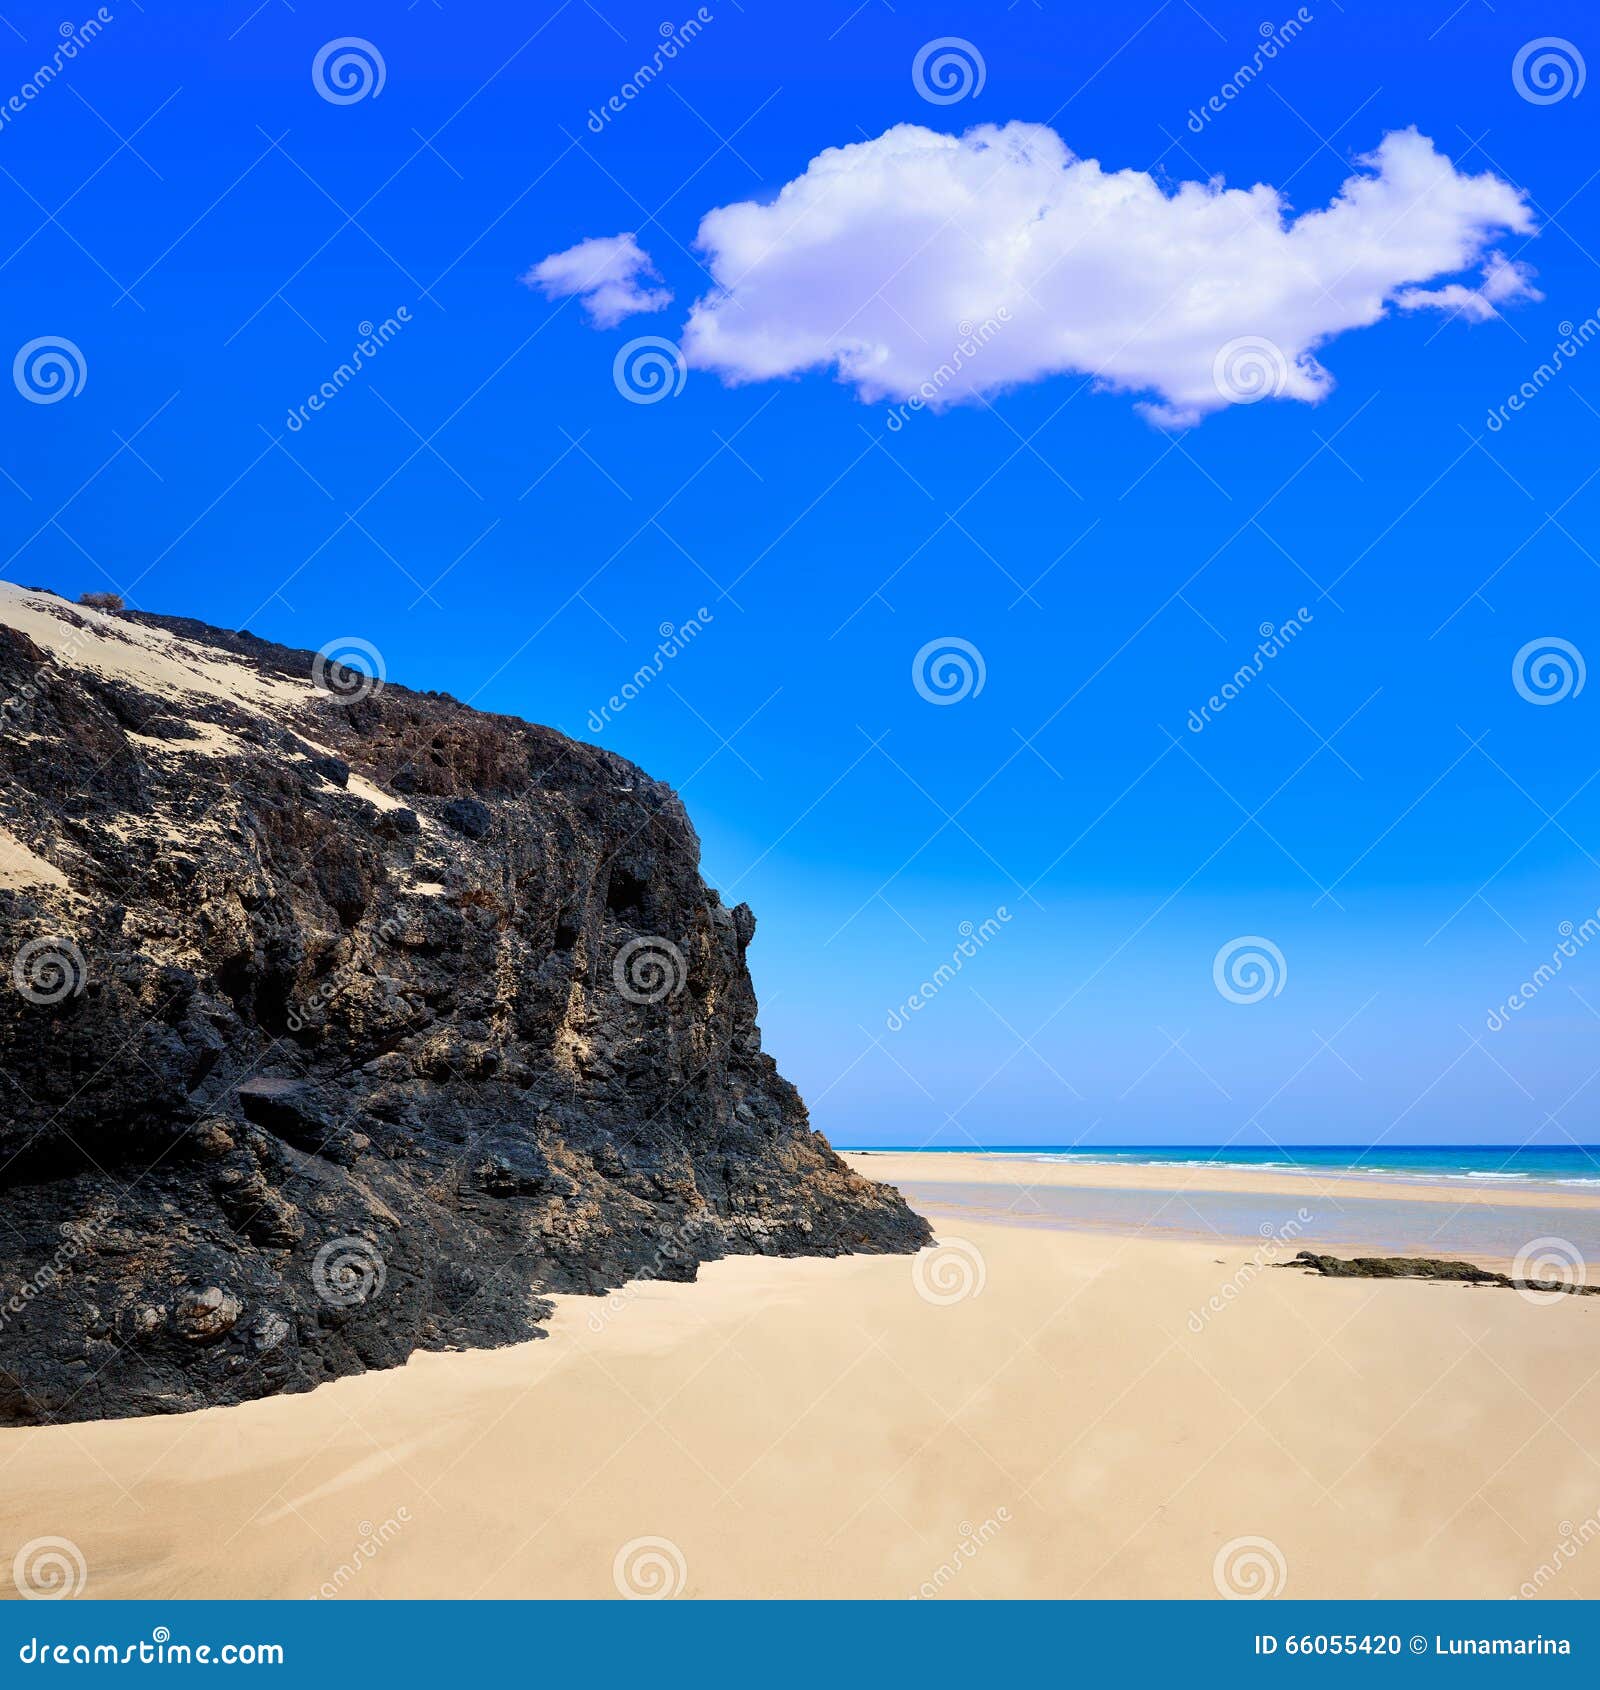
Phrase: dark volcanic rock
pixel 300 1078
pixel 1429 1267
pixel 468 816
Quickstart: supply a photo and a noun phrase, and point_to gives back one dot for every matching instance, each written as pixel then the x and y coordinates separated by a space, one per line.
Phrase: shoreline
pixel 1023 1171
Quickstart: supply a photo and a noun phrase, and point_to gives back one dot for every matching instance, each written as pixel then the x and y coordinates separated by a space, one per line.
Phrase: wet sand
pixel 1023 1172
pixel 1488 1222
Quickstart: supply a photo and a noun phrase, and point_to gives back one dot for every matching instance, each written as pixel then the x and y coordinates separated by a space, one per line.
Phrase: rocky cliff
pixel 346 1021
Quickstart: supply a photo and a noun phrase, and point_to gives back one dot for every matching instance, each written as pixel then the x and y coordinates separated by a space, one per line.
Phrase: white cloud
pixel 883 256
pixel 610 273
pixel 1504 282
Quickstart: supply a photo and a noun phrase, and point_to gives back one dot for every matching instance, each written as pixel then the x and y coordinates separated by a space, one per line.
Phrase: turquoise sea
pixel 1548 1164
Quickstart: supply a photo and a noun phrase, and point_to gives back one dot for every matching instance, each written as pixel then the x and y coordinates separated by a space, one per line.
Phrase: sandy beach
pixel 1024 1411
pixel 1016 1176
pixel 1488 1222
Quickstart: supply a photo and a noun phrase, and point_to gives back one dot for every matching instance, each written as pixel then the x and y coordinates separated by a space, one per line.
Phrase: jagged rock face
pixel 343 1023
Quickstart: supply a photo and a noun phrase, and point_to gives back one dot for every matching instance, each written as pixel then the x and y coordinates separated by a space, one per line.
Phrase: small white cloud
pixel 1504 281
pixel 610 274
pixel 885 260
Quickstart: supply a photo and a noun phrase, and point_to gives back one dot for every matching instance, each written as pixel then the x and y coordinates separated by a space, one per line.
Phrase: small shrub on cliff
pixel 101 601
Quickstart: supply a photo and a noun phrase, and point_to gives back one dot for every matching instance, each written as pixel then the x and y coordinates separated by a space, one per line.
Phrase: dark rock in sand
pixel 300 1078
pixel 1427 1267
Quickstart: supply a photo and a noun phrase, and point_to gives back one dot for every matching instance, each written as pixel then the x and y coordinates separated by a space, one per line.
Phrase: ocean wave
pixel 1353 1169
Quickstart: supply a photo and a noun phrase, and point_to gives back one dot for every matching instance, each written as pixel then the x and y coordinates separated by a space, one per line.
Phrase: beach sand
pixel 1070 1407
pixel 1019 1174
pixel 1489 1222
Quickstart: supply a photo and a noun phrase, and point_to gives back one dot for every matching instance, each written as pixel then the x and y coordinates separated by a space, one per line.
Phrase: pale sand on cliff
pixel 1022 1412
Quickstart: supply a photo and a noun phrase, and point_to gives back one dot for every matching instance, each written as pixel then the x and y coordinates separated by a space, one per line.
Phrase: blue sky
pixel 484 506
